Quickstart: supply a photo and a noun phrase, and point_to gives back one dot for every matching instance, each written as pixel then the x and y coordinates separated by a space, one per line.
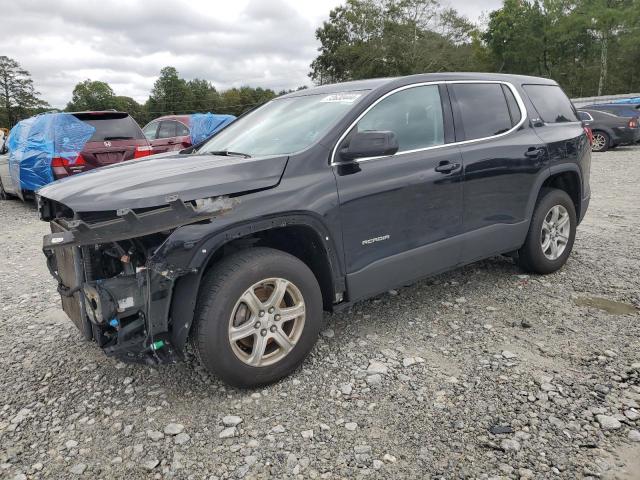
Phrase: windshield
pixel 283 126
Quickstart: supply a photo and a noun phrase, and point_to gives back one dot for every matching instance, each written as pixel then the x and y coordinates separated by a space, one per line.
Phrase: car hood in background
pixel 149 181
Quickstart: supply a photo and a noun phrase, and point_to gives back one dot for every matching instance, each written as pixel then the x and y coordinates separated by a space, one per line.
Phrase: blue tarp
pixel 34 142
pixel 634 101
pixel 203 125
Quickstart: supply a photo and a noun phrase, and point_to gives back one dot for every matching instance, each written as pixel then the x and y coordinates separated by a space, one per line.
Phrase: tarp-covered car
pixel 51 146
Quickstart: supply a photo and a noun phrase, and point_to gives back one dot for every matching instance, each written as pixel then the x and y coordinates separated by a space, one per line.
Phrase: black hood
pixel 148 182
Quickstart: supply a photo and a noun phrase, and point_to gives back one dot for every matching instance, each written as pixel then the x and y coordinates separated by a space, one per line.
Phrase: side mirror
pixel 371 143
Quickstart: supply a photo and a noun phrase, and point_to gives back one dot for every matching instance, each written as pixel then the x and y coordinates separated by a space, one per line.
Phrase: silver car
pixel 7 188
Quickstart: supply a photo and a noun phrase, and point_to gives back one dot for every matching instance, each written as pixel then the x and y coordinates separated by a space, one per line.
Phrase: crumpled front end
pixel 113 283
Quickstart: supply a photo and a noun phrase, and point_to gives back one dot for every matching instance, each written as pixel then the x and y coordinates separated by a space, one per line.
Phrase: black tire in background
pixel 603 144
pixel 222 288
pixel 531 256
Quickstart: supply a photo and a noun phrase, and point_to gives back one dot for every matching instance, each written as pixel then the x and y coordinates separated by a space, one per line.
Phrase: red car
pixel 117 138
pixel 168 133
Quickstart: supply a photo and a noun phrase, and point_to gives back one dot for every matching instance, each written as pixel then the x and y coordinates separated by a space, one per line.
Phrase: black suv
pixel 316 200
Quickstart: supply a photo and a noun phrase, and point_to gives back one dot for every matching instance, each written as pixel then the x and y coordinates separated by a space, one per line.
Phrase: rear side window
pixel 584 116
pixel 551 103
pixel 483 108
pixel 123 128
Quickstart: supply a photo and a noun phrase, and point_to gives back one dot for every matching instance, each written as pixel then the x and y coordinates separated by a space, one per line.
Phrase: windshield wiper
pixel 227 153
pixel 118 137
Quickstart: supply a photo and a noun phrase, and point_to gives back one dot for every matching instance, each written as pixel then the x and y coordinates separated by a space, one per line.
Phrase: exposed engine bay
pixel 112 285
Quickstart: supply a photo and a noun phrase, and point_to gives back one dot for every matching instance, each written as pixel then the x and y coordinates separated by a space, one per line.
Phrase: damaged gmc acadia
pixel 314 201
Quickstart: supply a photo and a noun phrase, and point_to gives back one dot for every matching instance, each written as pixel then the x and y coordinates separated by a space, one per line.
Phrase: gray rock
pixel 231 420
pixel 307 434
pixel 155 435
pixel 351 426
pixel 608 422
pixel 376 367
pixel 173 429
pixel 228 432
pixel 634 435
pixel 78 469
pixel 150 463
pixel 181 438
pixel 510 445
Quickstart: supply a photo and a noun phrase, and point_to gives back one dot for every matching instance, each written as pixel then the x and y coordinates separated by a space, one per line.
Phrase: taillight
pixel 64 162
pixel 142 151
pixel 589 133
pixel 633 123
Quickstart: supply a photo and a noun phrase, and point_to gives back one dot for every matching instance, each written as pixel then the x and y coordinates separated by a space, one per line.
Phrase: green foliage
pixel 91 95
pixel 377 38
pixel 589 46
pixel 18 97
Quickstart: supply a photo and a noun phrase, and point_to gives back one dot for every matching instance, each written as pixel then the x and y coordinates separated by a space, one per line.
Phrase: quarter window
pixel 483 109
pixel 551 103
pixel 413 114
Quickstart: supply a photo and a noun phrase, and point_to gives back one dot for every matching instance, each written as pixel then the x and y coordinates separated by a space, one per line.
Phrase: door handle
pixel 446 167
pixel 534 152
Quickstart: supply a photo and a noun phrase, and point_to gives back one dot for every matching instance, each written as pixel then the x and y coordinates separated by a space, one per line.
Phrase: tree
pixel 589 46
pixel 375 38
pixel 18 97
pixel 92 95
pixel 169 93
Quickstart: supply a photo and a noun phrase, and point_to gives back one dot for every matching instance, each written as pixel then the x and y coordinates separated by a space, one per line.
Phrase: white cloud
pixel 267 43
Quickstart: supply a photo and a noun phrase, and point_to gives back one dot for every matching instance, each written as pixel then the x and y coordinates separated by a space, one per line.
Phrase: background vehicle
pixel 169 133
pixel 610 130
pixel 7 188
pixel 318 199
pixel 619 109
pixel 117 138
pixel 175 132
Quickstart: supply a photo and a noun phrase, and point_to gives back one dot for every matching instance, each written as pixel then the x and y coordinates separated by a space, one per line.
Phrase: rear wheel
pixel 600 141
pixel 551 233
pixel 259 313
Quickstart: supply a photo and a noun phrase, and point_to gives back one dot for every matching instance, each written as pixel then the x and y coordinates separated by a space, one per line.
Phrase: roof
pixel 375 83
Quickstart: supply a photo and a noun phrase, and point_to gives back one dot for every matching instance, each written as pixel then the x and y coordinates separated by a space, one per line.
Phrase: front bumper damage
pixel 114 282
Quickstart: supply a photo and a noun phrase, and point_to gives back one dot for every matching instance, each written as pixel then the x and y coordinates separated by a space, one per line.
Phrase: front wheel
pixel 551 233
pixel 258 316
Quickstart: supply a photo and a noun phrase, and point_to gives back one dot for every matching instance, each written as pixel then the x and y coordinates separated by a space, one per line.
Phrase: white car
pixel 7 189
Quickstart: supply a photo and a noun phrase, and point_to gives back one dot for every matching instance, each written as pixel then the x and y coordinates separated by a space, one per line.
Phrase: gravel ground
pixel 479 373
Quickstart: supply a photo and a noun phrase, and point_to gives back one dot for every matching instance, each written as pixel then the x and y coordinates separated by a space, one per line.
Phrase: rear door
pixel 399 212
pixel 117 138
pixel 166 137
pixel 502 158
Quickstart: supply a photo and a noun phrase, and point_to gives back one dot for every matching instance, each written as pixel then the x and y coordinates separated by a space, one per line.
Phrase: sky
pixel 260 43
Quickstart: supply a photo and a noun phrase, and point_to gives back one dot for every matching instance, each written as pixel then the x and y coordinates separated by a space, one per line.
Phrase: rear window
pixel 551 103
pixel 113 128
pixel 483 109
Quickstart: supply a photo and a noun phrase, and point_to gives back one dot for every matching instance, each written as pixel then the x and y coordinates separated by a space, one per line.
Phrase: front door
pixel 400 212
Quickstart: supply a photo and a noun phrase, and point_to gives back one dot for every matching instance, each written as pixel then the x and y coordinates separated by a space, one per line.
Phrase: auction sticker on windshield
pixel 341 98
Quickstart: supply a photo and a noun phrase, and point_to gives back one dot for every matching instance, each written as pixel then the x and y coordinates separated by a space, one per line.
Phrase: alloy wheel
pixel 556 228
pixel 267 322
pixel 599 142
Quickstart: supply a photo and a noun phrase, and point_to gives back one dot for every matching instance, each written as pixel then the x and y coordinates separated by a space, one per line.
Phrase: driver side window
pixel 413 114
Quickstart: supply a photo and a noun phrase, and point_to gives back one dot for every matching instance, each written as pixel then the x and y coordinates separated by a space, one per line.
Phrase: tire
pixel 601 141
pixel 221 311
pixel 538 256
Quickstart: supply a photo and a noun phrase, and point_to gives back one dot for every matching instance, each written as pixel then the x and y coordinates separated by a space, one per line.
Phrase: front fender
pixel 186 254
